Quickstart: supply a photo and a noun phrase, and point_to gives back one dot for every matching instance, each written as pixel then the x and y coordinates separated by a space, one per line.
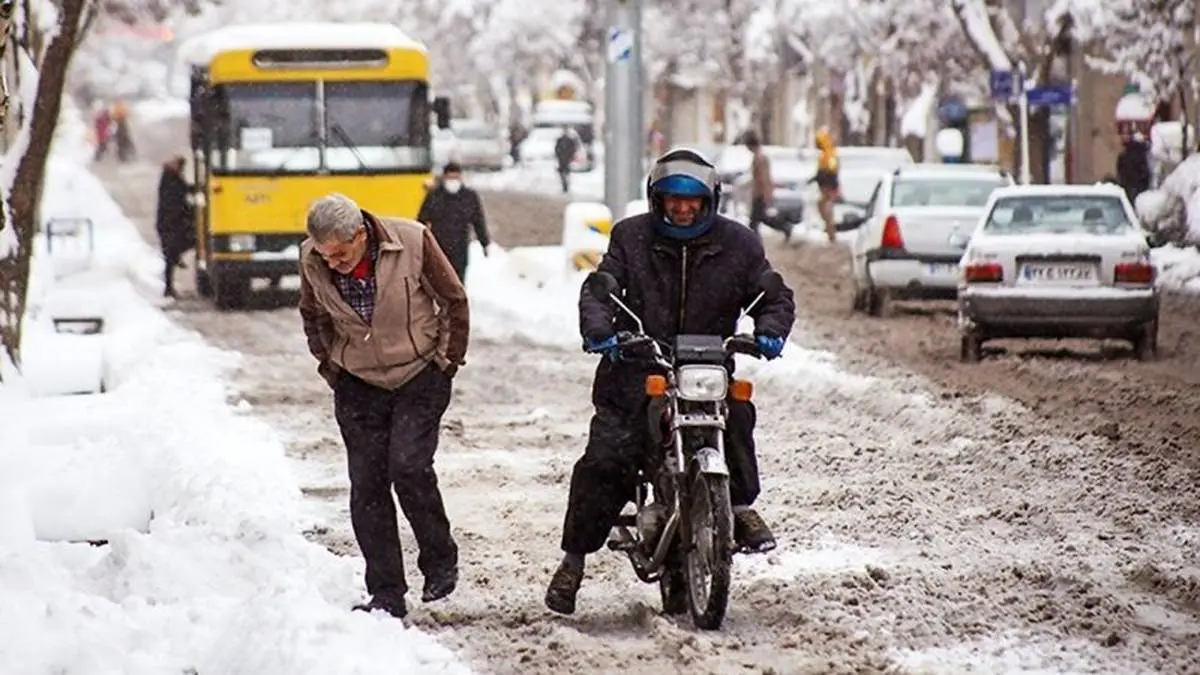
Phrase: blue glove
pixel 769 347
pixel 607 347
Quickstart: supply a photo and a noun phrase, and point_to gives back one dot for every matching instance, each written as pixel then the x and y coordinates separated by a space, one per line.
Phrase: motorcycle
pixel 681 534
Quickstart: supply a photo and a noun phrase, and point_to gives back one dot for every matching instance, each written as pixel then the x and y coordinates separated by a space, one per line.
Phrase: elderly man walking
pixel 387 320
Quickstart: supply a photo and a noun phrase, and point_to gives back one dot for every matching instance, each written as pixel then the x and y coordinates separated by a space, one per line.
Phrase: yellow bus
pixel 284 113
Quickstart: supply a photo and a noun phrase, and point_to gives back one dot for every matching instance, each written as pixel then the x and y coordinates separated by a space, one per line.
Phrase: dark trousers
pixel 171 260
pixel 391 437
pixel 605 478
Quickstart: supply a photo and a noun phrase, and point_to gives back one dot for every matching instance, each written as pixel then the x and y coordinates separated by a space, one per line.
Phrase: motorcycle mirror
pixel 770 283
pixel 602 285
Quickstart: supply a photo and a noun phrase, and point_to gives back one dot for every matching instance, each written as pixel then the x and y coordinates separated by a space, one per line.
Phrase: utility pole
pixel 624 127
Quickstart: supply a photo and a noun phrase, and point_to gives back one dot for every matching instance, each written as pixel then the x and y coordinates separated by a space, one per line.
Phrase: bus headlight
pixel 241 243
pixel 702 383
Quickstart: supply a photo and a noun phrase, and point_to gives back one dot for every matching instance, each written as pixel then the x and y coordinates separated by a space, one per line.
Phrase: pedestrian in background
pixel 452 210
pixel 174 221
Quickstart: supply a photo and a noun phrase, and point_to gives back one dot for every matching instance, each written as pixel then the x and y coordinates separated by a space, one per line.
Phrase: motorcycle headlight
pixel 702 383
pixel 241 243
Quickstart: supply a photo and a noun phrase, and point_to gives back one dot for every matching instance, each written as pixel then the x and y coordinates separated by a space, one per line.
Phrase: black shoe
pixel 564 586
pixel 391 604
pixel 751 532
pixel 438 586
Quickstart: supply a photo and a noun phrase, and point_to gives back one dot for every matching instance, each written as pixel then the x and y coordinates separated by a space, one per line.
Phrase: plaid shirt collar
pixel 360 293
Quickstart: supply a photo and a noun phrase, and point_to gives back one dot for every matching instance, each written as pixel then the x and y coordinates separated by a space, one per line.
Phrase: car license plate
pixel 1058 273
pixel 941 269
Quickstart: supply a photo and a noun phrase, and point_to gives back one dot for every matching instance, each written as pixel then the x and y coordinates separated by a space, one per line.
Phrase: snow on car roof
pixel 955 171
pixel 201 49
pixel 1058 190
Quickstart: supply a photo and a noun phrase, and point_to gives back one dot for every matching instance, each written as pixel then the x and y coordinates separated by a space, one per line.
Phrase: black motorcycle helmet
pixel 686 173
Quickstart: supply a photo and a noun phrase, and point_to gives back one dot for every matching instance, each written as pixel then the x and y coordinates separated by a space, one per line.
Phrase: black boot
pixel 438 586
pixel 751 533
pixel 564 586
pixel 387 602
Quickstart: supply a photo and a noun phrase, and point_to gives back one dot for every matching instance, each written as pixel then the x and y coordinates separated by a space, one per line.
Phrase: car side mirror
pixel 441 111
pixel 850 222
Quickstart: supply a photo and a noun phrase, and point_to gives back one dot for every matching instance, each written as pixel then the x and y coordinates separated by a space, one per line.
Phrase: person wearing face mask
pixel 686 270
pixel 451 210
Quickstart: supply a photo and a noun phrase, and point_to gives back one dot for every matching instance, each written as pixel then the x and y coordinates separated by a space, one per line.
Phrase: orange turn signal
pixel 741 390
pixel 656 386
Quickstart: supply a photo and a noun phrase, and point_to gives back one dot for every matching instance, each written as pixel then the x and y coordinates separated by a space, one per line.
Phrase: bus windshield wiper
pixel 345 139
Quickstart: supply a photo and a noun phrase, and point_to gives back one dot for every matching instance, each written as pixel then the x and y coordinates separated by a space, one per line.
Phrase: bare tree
pixel 1004 41
pixel 50 56
pixel 1152 42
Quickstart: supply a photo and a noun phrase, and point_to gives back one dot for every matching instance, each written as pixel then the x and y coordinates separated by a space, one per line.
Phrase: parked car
pixel 478 145
pixel 853 157
pixel 444 142
pixel 1058 261
pixel 733 165
pixel 915 226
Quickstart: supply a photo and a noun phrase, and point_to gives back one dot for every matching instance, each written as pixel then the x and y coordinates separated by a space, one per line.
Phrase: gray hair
pixel 334 217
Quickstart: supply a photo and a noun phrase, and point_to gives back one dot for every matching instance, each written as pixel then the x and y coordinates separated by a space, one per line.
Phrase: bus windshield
pixel 278 127
pixel 385 124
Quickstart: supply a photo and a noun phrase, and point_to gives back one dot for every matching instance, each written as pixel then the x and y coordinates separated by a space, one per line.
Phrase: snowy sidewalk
pixel 205 568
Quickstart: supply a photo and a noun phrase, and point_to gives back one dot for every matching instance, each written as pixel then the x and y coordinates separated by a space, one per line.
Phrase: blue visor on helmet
pixel 683 186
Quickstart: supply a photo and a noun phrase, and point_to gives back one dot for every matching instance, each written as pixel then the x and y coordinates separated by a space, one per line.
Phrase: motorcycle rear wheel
pixel 710 556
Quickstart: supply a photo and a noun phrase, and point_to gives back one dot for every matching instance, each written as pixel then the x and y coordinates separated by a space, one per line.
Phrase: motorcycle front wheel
pixel 710 558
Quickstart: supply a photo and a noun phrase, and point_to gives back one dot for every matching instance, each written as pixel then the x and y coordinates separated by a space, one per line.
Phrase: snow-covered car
pixel 443 146
pixel 733 170
pixel 853 157
pixel 478 145
pixel 913 231
pixel 1058 261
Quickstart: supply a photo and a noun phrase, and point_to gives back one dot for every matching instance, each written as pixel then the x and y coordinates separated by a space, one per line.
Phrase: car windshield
pixel 475 133
pixel 943 191
pixel 1058 214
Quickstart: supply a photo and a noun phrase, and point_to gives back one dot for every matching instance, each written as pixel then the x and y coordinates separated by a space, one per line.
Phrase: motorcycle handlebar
pixel 743 344
pixel 737 344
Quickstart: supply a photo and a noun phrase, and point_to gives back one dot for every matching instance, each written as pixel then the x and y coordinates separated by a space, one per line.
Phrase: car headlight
pixel 241 243
pixel 702 383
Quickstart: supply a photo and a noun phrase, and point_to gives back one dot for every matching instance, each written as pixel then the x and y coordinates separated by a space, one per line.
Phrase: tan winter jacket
pixel 421 313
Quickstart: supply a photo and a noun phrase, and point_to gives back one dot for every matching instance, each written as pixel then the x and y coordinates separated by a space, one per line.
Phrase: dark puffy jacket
pixel 697 288
pixel 1133 169
pixel 173 221
pixel 452 216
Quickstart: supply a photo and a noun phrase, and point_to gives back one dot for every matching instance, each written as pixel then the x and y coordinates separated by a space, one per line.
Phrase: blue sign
pixel 1002 85
pixel 1054 94
pixel 620 44
pixel 952 111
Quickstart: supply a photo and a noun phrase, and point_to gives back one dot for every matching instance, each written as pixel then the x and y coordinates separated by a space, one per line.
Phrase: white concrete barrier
pixel 586 226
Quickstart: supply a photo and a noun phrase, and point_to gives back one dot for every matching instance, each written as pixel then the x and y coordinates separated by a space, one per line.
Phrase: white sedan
pixel 917 223
pixel 1058 261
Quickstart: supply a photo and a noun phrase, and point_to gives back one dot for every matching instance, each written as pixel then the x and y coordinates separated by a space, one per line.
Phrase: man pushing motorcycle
pixel 684 269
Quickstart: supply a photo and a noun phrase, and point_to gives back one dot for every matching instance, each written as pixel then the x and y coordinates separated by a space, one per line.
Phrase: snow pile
pixel 1172 211
pixel 205 569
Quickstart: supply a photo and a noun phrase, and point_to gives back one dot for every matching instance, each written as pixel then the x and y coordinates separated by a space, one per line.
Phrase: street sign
pixel 952 110
pixel 620 44
pixel 1002 85
pixel 1050 95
